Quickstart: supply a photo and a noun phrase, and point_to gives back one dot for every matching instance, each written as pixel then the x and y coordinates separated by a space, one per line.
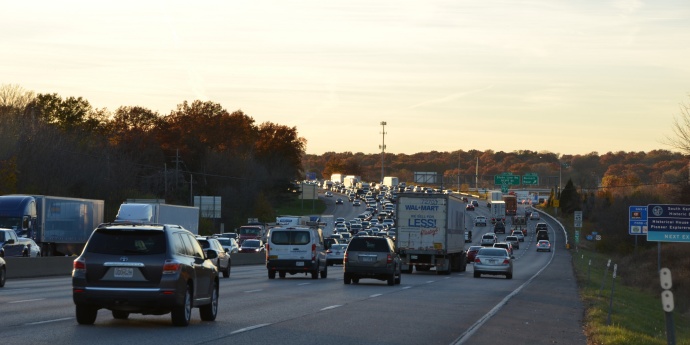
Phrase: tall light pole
pixel 383 147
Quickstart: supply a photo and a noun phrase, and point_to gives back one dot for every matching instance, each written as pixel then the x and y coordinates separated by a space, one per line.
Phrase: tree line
pixel 50 145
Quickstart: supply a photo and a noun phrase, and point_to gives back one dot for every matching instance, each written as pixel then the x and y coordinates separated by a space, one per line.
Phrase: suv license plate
pixel 299 263
pixel 124 272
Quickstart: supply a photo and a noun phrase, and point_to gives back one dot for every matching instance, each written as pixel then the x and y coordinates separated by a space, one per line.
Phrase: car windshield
pixel 290 237
pixel 492 252
pixel 127 242
pixel 224 242
pixel 368 245
pixel 251 243
pixel 338 247
pixel 249 231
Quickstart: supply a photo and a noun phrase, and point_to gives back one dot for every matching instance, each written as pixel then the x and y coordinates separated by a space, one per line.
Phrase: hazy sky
pixel 568 77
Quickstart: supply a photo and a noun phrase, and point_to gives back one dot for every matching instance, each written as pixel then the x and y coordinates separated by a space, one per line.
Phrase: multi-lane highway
pixel 539 305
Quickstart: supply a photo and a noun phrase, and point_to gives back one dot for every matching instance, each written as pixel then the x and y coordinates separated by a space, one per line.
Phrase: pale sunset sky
pixel 569 77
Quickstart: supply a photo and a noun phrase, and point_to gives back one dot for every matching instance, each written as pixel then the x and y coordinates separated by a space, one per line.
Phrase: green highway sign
pixel 507 179
pixel 504 188
pixel 531 178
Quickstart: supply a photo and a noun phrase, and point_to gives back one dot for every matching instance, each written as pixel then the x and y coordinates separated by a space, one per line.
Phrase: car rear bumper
pixel 292 265
pixel 137 300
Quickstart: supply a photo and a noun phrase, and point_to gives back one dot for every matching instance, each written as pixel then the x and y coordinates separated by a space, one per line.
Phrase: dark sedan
pixel 252 246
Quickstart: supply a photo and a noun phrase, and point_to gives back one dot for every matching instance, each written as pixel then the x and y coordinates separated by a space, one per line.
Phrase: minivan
pixel 296 250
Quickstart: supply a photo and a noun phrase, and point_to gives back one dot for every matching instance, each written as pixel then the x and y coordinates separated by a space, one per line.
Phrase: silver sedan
pixel 494 261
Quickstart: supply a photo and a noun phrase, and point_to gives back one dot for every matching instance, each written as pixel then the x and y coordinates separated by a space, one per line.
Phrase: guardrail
pixel 19 267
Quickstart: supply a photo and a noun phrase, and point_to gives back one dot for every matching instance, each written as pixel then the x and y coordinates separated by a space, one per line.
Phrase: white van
pixel 296 250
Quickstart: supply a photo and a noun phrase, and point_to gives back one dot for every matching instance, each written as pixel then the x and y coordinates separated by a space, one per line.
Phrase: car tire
pixel 391 280
pixel 226 271
pixel 346 279
pixel 398 278
pixel 209 311
pixel 120 315
pixel 3 276
pixel 355 280
pixel 86 315
pixel 315 274
pixel 509 276
pixel 182 314
pixel 271 274
pixel 476 274
pixel 324 273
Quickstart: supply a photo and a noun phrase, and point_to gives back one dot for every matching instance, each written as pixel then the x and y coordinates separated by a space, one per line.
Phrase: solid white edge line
pixel 331 307
pixel 250 328
pixel 26 300
pixel 376 295
pixel 470 331
pixel 48 321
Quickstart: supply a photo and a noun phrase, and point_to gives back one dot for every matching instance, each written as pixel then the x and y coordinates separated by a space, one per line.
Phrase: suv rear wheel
pixel 181 314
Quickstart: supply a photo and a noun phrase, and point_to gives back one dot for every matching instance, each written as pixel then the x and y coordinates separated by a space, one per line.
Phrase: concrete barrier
pixel 18 267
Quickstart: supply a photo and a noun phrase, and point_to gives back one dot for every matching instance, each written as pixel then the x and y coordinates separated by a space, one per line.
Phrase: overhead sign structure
pixel 637 223
pixel 668 223
pixel 530 178
pixel 507 179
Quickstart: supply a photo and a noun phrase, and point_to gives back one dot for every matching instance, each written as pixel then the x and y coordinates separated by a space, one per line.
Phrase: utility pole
pixel 383 147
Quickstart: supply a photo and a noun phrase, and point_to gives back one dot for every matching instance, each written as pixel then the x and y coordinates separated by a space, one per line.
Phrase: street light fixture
pixel 383 147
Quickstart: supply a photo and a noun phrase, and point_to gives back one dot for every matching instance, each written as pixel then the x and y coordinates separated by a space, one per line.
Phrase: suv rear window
pixel 140 242
pixel 368 245
pixel 290 237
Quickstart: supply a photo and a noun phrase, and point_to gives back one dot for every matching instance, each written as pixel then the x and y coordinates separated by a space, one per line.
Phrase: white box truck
pixel 160 213
pixel 431 232
pixel 498 211
pixel 390 181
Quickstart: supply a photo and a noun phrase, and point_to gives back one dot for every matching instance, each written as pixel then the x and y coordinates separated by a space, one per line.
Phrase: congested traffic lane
pixel 425 308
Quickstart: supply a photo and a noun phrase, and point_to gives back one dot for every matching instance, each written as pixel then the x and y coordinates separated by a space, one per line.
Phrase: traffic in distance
pixel 387 237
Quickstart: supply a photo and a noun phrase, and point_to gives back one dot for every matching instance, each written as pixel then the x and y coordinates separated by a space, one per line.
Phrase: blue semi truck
pixel 61 226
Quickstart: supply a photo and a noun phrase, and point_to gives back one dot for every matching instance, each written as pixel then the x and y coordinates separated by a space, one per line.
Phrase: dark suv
pixel 371 257
pixel 145 269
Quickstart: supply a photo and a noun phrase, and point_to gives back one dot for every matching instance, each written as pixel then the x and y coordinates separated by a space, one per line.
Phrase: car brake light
pixel 345 257
pixel 313 252
pixel 79 265
pixel 171 267
pixel 477 260
pixel 506 262
pixel 389 259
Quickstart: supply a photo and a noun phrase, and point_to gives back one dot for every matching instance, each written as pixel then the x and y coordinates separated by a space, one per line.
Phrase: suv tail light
pixel 345 257
pixel 313 252
pixel 79 266
pixel 389 259
pixel 171 267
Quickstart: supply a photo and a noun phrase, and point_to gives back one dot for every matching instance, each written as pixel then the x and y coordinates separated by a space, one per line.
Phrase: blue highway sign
pixel 637 224
pixel 668 223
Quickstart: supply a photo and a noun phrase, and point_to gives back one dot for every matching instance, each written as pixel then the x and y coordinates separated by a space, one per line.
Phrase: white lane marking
pixel 406 287
pixel 250 291
pixel 27 300
pixel 470 331
pixel 376 295
pixel 303 284
pixel 250 328
pixel 430 281
pixel 48 321
pixel 332 307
